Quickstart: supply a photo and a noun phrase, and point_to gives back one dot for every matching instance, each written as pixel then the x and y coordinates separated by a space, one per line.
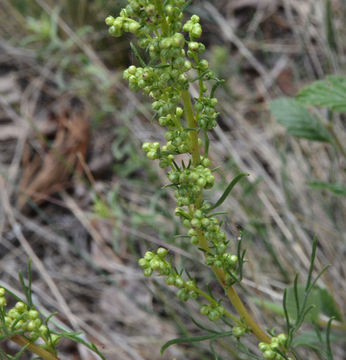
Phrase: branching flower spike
pixel 173 61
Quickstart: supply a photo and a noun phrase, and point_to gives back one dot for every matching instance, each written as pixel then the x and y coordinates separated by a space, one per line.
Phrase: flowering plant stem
pixel 203 243
pixel 36 349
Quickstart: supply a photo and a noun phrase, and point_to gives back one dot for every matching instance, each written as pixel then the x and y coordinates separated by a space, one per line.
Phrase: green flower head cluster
pixel 170 62
pixel 213 311
pixel 156 262
pixel 277 343
pixel 21 319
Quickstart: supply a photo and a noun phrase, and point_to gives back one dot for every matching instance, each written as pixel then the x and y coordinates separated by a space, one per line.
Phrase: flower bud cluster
pixel 206 113
pixel 189 184
pixel 173 61
pixel 277 343
pixel 193 27
pixel 155 262
pixel 21 318
pixel 239 331
pixel 120 24
pixel 213 311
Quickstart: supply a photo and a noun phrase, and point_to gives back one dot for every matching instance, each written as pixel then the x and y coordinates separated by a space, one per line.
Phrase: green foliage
pixel 330 93
pixel 337 189
pixel 24 325
pixel 299 121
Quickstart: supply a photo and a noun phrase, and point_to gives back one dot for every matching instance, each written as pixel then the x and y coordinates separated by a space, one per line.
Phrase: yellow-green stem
pixel 36 349
pixel 192 124
pixel 220 274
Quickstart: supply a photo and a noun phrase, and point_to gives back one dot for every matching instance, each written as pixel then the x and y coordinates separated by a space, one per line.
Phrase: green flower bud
pixel 134 26
pixel 205 310
pixel 170 280
pixel 2 292
pixel 2 302
pixel 238 331
pixel 204 65
pixel 183 295
pixel 149 255
pixel 179 111
pixel 196 31
pixel 179 282
pixel 282 338
pixel 194 240
pixel 20 307
pixel 31 325
pixel 263 346
pixel 178 40
pixel 269 354
pixel 109 20
pixel 195 223
pixel 143 263
pixel 33 314
pixel 162 252
pixel 155 264
pixel 187 27
pixel 148 272
pixel 190 285
pixel 43 330
pixel 114 31
pixel 193 46
pixel 214 315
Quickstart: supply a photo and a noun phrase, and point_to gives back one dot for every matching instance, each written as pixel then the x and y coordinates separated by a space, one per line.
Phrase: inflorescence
pixel 22 320
pixel 172 64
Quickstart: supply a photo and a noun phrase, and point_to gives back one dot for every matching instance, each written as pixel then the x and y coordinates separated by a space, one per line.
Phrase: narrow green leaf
pixel 337 189
pixel 138 56
pixel 330 93
pixel 228 190
pixel 189 339
pixel 298 120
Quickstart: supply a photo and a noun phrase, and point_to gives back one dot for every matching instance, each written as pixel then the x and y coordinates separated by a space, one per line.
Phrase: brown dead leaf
pixel 48 169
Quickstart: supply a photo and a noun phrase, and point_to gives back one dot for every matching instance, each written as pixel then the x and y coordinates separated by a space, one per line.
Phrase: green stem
pixel 159 8
pixel 192 124
pixel 234 297
pixel 36 349
pixel 220 274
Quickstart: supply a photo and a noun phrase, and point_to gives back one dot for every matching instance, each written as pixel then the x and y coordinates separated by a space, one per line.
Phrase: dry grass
pixel 85 265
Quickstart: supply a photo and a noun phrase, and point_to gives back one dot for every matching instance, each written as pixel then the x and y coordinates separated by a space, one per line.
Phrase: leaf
pixel 338 189
pixel 298 120
pixel 189 339
pixel 314 299
pixel 330 93
pixel 227 191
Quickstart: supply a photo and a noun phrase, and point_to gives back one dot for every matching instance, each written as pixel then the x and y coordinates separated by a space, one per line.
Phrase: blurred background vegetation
pixel 77 191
